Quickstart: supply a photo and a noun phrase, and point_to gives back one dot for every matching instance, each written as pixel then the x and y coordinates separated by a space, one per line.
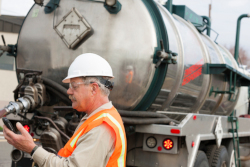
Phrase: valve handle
pixel 162 46
pixel 159 63
pixel 3 40
pixel 159 54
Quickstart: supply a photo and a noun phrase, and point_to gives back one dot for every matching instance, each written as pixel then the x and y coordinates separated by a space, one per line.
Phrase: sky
pixel 16 7
pixel 224 16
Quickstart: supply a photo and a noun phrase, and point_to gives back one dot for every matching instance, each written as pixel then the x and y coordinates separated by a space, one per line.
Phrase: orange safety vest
pixel 113 119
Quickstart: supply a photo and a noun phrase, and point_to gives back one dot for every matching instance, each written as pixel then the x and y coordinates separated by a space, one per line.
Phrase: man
pixel 99 140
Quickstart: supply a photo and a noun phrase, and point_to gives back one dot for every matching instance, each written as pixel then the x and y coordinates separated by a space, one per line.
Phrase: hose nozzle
pixel 22 104
pixel 3 112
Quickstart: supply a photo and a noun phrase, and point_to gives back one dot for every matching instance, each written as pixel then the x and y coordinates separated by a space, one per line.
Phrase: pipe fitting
pixel 112 6
pixel 31 101
pixel 237 40
pixel 16 155
pixel 5 48
pixel 110 2
pixel 163 55
pixel 17 105
pixel 25 102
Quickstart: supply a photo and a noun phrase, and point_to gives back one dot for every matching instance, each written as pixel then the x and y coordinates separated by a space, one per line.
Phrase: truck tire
pixel 210 152
pixel 217 157
pixel 201 160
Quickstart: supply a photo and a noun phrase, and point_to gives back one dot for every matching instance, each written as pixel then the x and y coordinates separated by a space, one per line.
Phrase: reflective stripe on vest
pixel 75 139
pixel 121 158
pixel 113 119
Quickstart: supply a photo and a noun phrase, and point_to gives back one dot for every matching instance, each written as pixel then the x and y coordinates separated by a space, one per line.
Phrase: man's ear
pixel 94 88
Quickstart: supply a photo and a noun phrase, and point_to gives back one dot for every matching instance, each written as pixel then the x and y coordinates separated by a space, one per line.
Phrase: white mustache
pixel 71 97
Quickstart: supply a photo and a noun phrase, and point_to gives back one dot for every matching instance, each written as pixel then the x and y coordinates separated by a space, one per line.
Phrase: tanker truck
pixel 179 92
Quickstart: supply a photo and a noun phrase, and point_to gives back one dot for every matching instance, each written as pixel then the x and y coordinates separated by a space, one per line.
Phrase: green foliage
pixel 1 129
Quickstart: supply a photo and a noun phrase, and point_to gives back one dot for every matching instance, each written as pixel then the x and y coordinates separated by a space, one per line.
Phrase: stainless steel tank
pixel 128 40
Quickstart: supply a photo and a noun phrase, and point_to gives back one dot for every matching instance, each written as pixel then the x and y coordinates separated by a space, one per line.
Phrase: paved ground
pixel 5 150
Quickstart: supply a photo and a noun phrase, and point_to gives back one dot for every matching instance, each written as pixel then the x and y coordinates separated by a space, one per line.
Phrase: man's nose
pixel 69 91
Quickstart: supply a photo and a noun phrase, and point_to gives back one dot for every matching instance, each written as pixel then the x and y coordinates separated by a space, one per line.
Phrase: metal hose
pixel 142 114
pixel 66 100
pixel 147 121
pixel 55 85
pixel 50 120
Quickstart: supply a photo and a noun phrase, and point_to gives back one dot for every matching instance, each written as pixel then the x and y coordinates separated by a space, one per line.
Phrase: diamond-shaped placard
pixel 73 28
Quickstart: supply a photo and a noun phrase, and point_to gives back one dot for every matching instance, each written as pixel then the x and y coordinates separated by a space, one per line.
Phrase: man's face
pixel 80 95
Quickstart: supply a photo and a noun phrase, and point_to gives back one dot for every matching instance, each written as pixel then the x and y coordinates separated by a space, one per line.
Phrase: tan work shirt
pixel 93 148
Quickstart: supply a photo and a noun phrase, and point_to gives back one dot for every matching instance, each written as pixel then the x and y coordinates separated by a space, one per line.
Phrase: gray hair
pixel 104 90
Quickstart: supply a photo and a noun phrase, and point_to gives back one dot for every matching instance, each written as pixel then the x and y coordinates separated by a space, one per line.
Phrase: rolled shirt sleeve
pixel 93 150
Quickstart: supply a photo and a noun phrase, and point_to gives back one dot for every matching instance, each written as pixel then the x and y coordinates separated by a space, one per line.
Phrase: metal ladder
pixel 233 120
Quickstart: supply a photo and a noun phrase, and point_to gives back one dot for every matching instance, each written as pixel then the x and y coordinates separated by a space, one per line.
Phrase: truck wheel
pixel 217 157
pixel 201 160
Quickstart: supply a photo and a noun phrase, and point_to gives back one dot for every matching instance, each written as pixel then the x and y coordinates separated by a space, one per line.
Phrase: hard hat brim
pixel 67 79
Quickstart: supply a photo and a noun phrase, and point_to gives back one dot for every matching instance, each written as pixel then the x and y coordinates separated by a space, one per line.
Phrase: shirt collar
pixel 103 107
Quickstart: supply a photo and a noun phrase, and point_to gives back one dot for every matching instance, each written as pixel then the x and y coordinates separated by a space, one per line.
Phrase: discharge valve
pixel 166 55
pixel 31 96
pixel 22 104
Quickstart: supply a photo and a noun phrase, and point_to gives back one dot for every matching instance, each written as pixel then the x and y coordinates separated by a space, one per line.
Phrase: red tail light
pixel 168 144
pixel 26 127
pixel 175 131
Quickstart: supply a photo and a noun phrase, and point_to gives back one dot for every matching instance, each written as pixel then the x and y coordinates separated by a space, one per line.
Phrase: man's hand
pixel 22 142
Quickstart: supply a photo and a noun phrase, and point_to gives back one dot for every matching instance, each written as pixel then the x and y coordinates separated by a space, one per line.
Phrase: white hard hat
pixel 89 64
